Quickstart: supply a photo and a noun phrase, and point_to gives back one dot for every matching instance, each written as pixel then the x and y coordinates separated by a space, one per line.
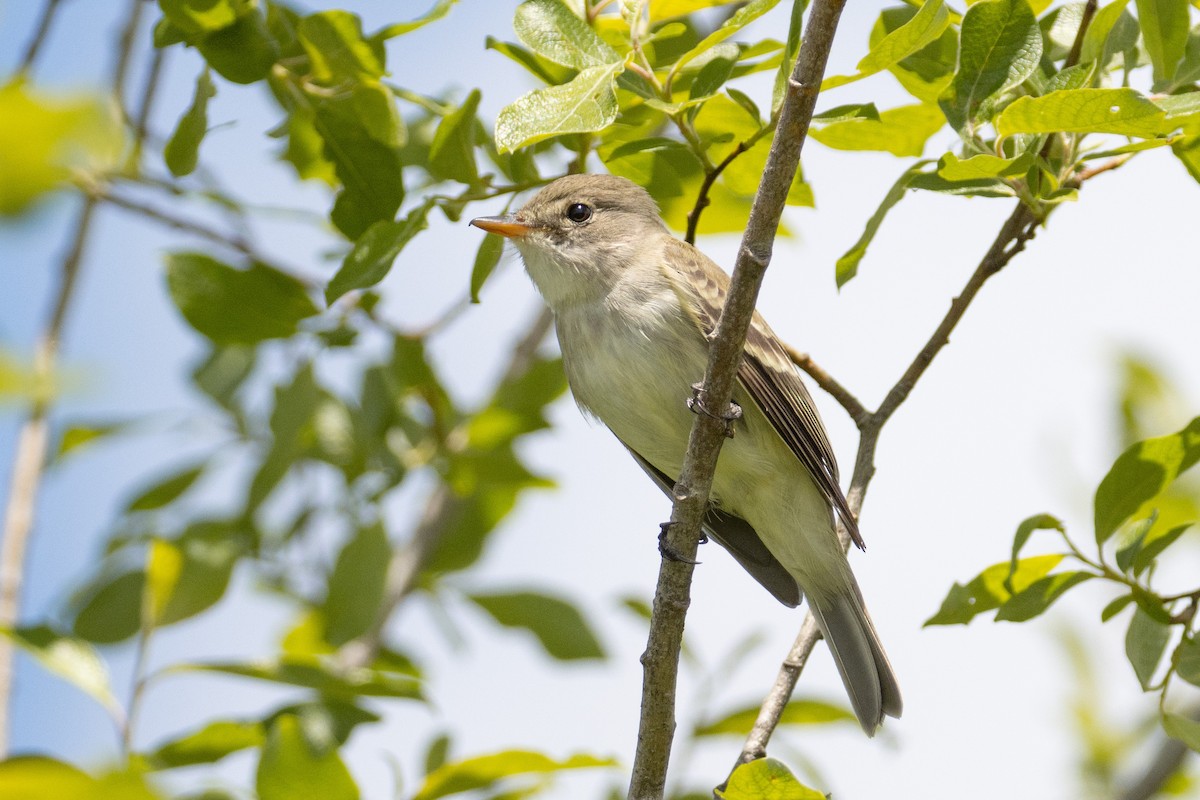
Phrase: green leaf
pixel 1000 47
pixel 232 306
pixel 452 154
pixel 291 432
pixel 243 52
pixel 1164 26
pixel 291 768
pixel 1129 541
pixel 112 609
pixel 986 187
pixel 43 778
pixel 588 102
pixel 1144 644
pixel 1115 607
pixel 765 779
pixel 166 490
pixel 847 265
pixel 70 658
pixel 545 70
pixel 552 30
pixel 900 131
pixel 486 260
pixel 79 437
pixel 1186 660
pixel 1187 150
pixel 313 673
pixel 371 258
pixel 1158 540
pixel 740 19
pixel 440 9
pixel 923 28
pixel 987 590
pixel 482 772
pixel 1096 38
pixel 207 744
pixel 1121 111
pixel 1140 474
pixel 1182 728
pixel 361 132
pixel 190 574
pixel 182 150
pixel 558 625
pixel 356 585
pixel 44 139
pixel 337 49
pixel 1039 596
pixel 203 16
pixel 1038 522
pixel 796 712
pixel 983 166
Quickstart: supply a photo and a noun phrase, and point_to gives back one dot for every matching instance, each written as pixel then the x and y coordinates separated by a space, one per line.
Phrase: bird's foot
pixel 670 553
pixel 731 415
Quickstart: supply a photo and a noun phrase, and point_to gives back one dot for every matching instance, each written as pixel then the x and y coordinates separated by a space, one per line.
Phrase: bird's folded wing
pixel 741 540
pixel 768 376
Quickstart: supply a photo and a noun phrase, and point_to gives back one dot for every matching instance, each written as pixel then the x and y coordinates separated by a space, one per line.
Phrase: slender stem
pixel 138 690
pixel 33 438
pixel 660 662
pixel 837 391
pixel 39 36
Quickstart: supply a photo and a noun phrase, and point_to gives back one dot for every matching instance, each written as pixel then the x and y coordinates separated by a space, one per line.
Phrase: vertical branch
pixel 33 439
pixel 660 662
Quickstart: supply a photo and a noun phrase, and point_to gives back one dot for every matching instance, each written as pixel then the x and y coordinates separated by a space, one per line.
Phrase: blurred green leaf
pixel 182 150
pixel 81 436
pixel 1182 728
pixel 1115 607
pixel 1000 46
pixel 440 9
pixel 482 772
pixel 1187 150
pixel 361 131
pixel 452 154
pixel 1186 660
pixel 900 131
pixel 1158 540
pixel 203 16
pixel 376 249
pixel 44 138
pixel 1034 599
pixel 558 625
pixel 111 608
pixel 1038 522
pixel 315 673
pixel 796 712
pixel 190 574
pixel 337 49
pixel 291 432
pixel 165 490
pixel 924 27
pixel 847 265
pixel 1140 474
pixel 1096 37
pixel 44 778
pixel 70 658
pixel 552 30
pixel 356 585
pixel 486 260
pixel 221 374
pixel 243 52
pixel 987 590
pixel 234 306
pixel 292 769
pixel 588 102
pixel 1145 641
pixel 1129 541
pixel 1121 111
pixel 1164 26
pixel 207 744
pixel 765 779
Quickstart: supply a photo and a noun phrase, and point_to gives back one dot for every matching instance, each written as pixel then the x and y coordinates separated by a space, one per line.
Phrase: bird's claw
pixel 670 553
pixel 731 415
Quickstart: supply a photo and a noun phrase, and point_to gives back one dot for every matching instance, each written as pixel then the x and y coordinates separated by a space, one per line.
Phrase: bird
pixel 634 308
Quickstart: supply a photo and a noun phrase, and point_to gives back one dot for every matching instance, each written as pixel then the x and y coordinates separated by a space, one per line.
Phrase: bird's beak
pixel 509 226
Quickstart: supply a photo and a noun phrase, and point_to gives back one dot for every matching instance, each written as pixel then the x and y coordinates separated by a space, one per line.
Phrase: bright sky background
pixel 1014 418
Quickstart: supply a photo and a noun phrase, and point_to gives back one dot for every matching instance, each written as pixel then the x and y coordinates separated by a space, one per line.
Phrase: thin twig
pixel 233 241
pixel 837 391
pixel 441 509
pixel 33 438
pixel 702 201
pixel 39 36
pixel 660 662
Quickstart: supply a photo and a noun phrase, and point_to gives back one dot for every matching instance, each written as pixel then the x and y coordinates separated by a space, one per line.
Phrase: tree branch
pixel 837 391
pixel 39 36
pixel 29 459
pixel 1165 763
pixel 672 596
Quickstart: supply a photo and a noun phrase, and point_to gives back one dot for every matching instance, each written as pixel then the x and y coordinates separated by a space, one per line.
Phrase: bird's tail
pixel 859 656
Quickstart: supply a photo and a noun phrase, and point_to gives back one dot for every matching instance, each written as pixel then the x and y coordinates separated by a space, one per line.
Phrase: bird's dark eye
pixel 579 212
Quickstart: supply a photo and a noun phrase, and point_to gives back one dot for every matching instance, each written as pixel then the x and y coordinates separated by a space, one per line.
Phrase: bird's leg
pixel 731 415
pixel 670 553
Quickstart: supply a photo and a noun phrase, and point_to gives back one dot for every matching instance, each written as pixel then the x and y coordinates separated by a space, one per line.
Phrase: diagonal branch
pixel 661 660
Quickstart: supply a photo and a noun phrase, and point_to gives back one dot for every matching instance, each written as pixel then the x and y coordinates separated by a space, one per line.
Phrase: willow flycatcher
pixel 633 307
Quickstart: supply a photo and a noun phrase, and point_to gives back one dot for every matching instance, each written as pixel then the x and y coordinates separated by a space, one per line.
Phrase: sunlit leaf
pixel 559 626
pixel 924 27
pixel 72 659
pixel 291 768
pixel 337 48
pixel 765 779
pixel 1164 26
pixel 1122 111
pixel 900 131
pixel 1034 599
pixel 207 744
pixel 554 31
pixel 987 590
pixel 738 20
pixel 482 772
pixel 588 102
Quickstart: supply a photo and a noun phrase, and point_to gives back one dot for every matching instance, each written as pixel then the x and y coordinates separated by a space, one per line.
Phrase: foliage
pixel 1041 100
